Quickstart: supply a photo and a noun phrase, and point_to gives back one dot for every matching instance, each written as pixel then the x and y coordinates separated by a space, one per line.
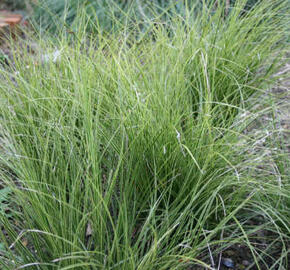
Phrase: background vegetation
pixel 111 14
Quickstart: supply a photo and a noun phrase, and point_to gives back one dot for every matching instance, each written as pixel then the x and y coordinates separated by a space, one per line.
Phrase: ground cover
pixel 120 154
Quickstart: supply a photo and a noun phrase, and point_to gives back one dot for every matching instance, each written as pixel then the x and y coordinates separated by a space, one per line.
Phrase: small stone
pixel 228 262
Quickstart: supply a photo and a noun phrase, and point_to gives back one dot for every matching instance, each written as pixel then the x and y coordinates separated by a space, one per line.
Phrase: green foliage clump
pixel 125 154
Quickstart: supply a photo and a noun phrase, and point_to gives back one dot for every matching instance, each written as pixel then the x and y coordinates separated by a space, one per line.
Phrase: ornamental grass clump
pixel 125 154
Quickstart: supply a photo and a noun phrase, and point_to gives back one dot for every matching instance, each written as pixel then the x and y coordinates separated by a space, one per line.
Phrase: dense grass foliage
pixel 135 155
pixel 112 14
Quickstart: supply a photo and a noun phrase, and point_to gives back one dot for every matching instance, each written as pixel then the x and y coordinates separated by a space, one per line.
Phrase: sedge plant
pixel 134 154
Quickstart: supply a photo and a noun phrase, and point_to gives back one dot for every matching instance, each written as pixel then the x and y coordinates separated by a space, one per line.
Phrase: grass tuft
pixel 125 154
